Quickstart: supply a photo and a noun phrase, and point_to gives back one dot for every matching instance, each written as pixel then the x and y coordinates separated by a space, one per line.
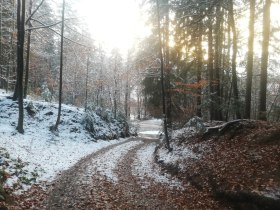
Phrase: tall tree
pixel 264 60
pixel 17 86
pixel 162 80
pixel 127 88
pixel 20 60
pixel 250 60
pixel 199 69
pixel 28 51
pixel 116 67
pixel 217 63
pixel 167 67
pixel 115 89
pixel 210 67
pixel 1 47
pixel 233 62
pixel 55 127
pixel 86 99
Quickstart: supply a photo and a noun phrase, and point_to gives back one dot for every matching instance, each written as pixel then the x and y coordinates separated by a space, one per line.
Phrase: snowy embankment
pixel 180 154
pixel 144 167
pixel 38 155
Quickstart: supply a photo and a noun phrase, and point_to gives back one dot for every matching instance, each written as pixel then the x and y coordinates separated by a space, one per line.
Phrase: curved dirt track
pixel 98 182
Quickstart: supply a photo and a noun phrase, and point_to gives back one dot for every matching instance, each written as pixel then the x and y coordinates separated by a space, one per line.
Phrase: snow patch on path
pixel 149 132
pixel 107 163
pixel 144 167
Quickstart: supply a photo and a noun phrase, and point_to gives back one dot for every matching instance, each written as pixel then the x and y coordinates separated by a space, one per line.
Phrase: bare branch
pixel 45 26
pixel 28 19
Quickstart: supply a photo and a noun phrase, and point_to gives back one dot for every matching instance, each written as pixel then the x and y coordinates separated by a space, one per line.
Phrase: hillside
pixel 39 155
pixel 238 163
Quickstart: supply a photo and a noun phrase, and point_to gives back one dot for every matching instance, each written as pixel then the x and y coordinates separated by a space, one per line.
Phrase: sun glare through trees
pixel 115 24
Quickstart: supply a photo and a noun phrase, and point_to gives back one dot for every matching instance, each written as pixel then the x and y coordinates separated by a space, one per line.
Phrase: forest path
pixel 121 176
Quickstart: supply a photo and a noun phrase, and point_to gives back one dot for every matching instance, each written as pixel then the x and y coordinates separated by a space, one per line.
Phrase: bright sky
pixel 116 23
pixel 120 23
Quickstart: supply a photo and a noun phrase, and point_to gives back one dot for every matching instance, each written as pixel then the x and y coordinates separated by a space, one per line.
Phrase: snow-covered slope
pixel 39 155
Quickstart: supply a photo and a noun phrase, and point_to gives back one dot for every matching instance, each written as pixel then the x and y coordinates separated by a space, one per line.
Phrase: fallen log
pixel 222 129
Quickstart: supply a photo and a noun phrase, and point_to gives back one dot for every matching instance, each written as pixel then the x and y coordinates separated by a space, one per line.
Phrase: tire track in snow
pixel 105 180
pixel 71 189
pixel 106 164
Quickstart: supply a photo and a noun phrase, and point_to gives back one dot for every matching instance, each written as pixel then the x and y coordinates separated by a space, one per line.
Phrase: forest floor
pixel 232 166
pixel 121 176
pixel 238 163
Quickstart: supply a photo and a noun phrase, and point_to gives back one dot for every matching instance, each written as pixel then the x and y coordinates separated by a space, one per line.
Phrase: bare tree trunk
pixel 233 62
pixel 199 70
pixel 11 57
pixel 217 65
pixel 126 103
pixel 162 81
pixel 100 87
pixel 264 60
pixel 55 128
pixel 138 106
pixel 115 89
pixel 1 46
pixel 20 63
pixel 16 89
pixel 228 84
pixel 168 70
pixel 210 68
pixel 250 59
pixel 27 52
pixel 86 100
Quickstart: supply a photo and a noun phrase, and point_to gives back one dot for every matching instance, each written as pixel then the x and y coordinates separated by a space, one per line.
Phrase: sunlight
pixel 116 24
pixel 243 33
pixel 275 17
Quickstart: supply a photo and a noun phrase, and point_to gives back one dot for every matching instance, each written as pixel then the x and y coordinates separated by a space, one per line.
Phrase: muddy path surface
pixel 125 176
pixel 114 178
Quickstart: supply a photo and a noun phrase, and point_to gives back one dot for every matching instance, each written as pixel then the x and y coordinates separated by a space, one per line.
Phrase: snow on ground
pixel 144 167
pixel 105 167
pixel 149 128
pixel 176 156
pixel 179 154
pixel 41 153
pixel 188 131
pixel 148 133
